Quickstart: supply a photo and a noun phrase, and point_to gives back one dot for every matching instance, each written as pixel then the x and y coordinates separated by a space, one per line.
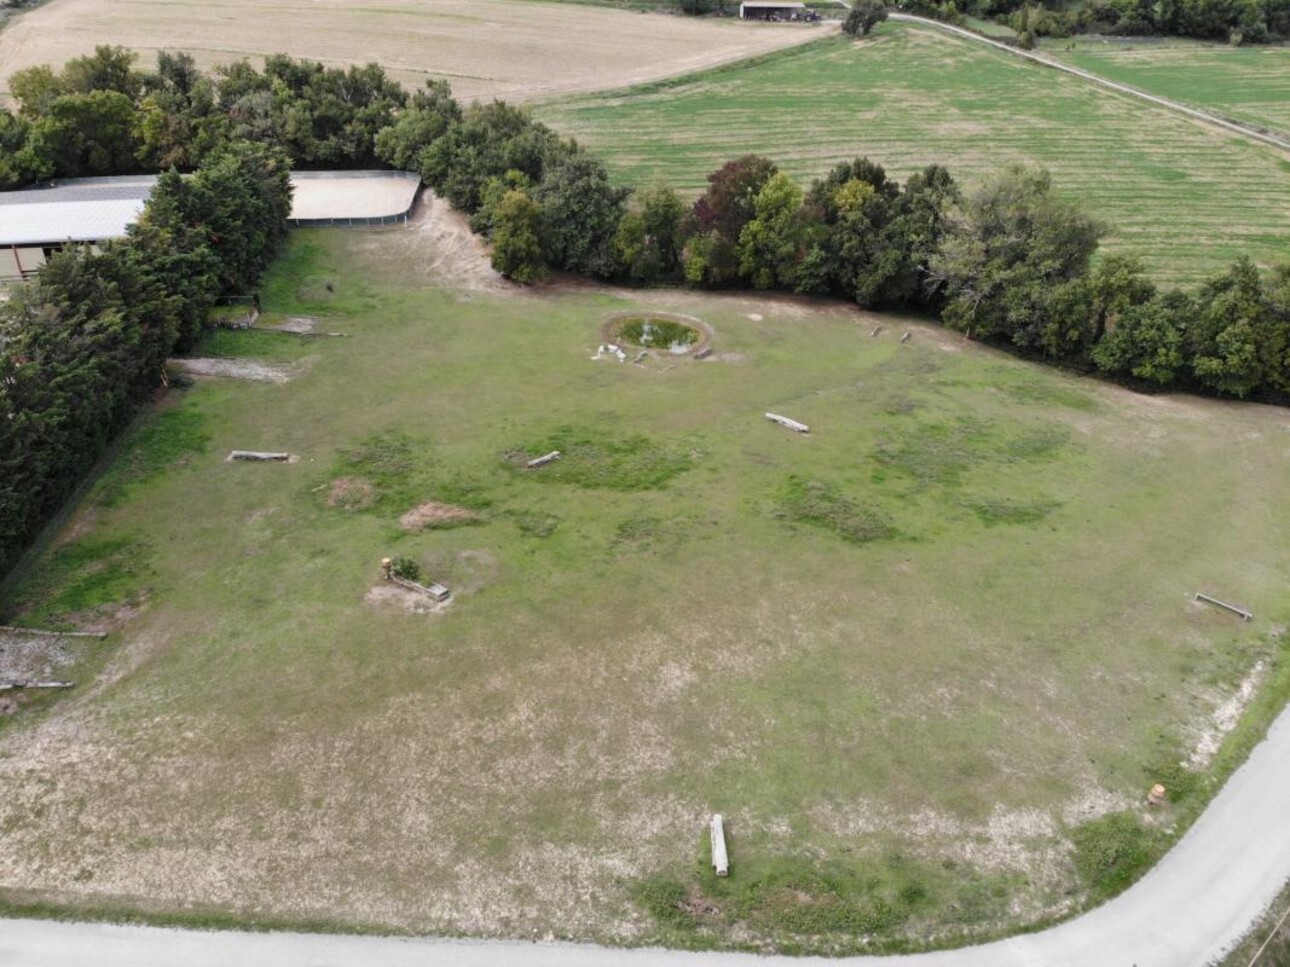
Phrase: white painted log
pixel 12 629
pixel 543 460
pixel 791 424
pixel 720 858
pixel 259 455
pixel 1245 615
pixel 7 686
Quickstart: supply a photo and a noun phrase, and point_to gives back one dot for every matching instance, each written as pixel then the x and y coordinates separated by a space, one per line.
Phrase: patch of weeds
pixel 249 344
pixel 1112 851
pixel 160 443
pixel 603 462
pixel 665 899
pixel 1046 394
pixel 936 453
pixel 941 453
pixel 534 523
pixel 999 510
pixel 83 577
pixel 405 568
pixel 1037 444
pixel 394 465
pixel 822 505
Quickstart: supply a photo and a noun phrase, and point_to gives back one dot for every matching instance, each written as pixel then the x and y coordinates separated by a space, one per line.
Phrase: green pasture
pixel 909 656
pixel 1244 83
pixel 1187 199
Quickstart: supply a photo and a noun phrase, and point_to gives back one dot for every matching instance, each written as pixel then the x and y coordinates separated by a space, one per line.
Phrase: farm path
pixel 1194 905
pixel 1203 117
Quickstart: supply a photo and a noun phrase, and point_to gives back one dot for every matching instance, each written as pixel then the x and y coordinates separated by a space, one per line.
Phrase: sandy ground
pixel 233 368
pixel 1206 893
pixel 351 197
pixel 513 49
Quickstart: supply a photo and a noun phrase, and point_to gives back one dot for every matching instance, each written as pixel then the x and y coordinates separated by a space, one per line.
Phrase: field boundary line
pixel 1194 114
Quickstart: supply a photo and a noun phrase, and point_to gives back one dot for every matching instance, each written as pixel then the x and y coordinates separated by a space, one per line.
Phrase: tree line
pixel 1231 21
pixel 84 343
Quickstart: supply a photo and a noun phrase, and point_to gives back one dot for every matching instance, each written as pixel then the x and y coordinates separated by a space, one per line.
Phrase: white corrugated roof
pixel 60 221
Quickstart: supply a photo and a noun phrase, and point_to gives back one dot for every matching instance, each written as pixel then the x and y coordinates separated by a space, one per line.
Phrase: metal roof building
pixel 35 222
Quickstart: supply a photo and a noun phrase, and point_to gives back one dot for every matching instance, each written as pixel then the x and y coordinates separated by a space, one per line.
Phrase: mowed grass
pixel 1246 83
pixel 907 656
pixel 1187 199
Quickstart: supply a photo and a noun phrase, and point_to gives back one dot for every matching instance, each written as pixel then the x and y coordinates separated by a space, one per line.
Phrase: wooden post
pixel 720 858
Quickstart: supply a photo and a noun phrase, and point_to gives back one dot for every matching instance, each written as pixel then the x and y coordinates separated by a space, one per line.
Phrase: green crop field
pixel 911 656
pixel 1246 83
pixel 1186 198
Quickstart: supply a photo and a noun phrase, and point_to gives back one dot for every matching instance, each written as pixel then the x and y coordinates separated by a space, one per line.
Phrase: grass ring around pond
pixel 666 332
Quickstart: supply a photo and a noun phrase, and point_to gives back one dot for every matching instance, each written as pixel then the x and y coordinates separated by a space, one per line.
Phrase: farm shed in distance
pixel 35 222
pixel 771 10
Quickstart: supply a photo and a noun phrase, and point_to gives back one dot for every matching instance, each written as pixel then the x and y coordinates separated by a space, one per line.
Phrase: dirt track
pixel 513 49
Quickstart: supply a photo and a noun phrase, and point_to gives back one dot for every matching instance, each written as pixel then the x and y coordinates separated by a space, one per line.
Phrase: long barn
pixel 36 222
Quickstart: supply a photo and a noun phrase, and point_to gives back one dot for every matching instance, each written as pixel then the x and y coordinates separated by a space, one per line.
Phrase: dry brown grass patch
pixel 351 493
pixel 434 514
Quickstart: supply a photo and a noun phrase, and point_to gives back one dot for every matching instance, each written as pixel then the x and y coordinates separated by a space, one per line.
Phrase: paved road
pixel 1244 130
pixel 1195 904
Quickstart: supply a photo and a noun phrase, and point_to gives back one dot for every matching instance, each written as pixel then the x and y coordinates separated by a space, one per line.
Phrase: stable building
pixel 772 10
pixel 36 222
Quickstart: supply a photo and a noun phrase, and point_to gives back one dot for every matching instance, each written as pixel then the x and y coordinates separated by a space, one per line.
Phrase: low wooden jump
pixel 703 353
pixel 9 686
pixel 436 591
pixel 543 460
pixel 259 455
pixel 1245 615
pixel 12 629
pixel 720 858
pixel 791 424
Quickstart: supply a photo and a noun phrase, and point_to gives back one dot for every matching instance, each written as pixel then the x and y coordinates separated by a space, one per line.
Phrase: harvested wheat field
pixel 485 48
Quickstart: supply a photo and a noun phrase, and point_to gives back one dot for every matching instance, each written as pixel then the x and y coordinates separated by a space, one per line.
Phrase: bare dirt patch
pixel 433 514
pixel 435 245
pixel 248 369
pixel 1223 719
pixel 392 596
pixel 351 493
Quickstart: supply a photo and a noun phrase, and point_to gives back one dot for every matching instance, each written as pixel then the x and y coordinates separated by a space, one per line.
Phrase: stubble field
pixel 512 49
pixel 910 656
pixel 1186 198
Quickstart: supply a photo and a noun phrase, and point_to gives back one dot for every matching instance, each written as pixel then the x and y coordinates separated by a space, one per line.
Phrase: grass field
pixel 514 49
pixel 909 656
pixel 1186 198
pixel 1246 83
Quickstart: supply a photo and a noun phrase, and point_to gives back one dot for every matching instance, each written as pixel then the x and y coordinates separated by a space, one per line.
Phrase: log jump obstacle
pixel 720 857
pixel 259 456
pixel 786 422
pixel 1244 614
pixel 543 460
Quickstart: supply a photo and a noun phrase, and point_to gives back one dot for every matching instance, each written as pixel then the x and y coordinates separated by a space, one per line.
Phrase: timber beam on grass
pixel 786 422
pixel 720 857
pixel 1245 615
pixel 42 632
pixel 433 590
pixel 543 460
pixel 260 456
pixel 11 685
